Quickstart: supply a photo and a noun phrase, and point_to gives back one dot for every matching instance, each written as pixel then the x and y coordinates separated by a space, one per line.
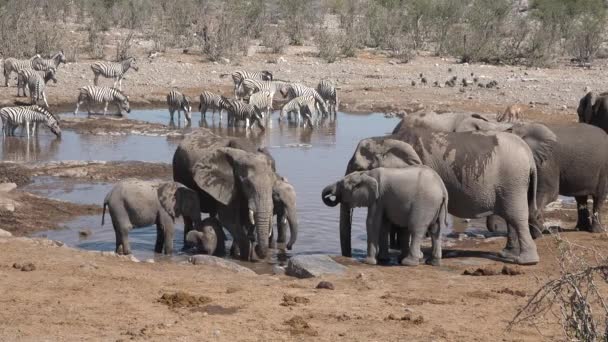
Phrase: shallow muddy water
pixel 309 159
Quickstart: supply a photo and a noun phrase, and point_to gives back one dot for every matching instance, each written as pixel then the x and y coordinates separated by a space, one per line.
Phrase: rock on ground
pixel 4 233
pixel 7 187
pixel 309 266
pixel 219 262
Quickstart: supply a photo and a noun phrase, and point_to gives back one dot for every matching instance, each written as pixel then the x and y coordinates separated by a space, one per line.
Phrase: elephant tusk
pixel 251 218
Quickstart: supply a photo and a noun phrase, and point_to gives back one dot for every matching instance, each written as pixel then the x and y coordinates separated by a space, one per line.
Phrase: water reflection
pixel 21 149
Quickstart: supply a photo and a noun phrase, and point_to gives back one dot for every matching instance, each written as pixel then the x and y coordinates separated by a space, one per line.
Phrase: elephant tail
pixel 442 217
pixel 532 189
pixel 103 213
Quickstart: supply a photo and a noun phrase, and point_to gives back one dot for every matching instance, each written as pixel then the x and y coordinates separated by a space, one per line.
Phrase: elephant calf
pixel 284 207
pixel 135 203
pixel 209 238
pixel 413 198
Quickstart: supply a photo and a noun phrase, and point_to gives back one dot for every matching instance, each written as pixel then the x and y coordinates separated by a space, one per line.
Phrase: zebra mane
pixel 57 55
pixel 44 111
pixel 120 94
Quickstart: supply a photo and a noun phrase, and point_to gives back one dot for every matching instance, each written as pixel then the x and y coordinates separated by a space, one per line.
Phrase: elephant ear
pixel 585 107
pixel 539 138
pixel 166 196
pixel 363 187
pixel 214 174
pixel 398 154
pixel 269 158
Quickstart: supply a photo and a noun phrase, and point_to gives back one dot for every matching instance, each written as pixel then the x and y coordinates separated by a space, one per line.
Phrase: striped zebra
pixel 328 92
pixel 262 100
pixel 293 90
pixel 14 65
pixel 241 111
pixel 26 73
pixel 304 107
pixel 12 117
pixel 211 101
pixel 102 95
pixel 179 102
pixel 113 70
pixel 250 86
pixel 239 75
pixel 36 83
pixel 41 64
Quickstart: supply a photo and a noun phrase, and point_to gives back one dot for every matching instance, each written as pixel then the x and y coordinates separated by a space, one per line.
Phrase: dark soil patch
pixel 289 300
pixel 34 213
pixel 407 317
pixel 325 285
pixel 298 326
pixel 27 267
pixel 216 310
pixel 506 270
pixel 14 173
pixel 508 291
pixel 182 299
pixel 481 295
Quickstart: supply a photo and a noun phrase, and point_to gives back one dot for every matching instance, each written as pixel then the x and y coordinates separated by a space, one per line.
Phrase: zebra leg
pixel 171 112
pixel 105 108
pixel 27 129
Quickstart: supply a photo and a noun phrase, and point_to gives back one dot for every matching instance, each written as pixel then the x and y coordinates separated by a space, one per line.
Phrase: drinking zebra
pixel 113 70
pixel 302 106
pixel 39 63
pixel 211 101
pixel 241 111
pixel 262 100
pixel 250 86
pixel 328 92
pixel 102 95
pixel 179 102
pixel 293 90
pixel 36 83
pixel 12 117
pixel 26 73
pixel 14 65
pixel 239 75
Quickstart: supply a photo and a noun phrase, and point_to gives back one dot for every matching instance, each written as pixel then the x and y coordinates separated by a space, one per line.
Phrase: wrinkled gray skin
pixel 593 109
pixel 454 122
pixel 413 198
pixel 208 238
pixel 135 203
pixel 284 203
pixel 234 180
pixel 484 172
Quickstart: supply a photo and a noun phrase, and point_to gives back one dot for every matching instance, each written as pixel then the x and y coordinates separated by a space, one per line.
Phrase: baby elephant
pixel 413 198
pixel 208 238
pixel 135 203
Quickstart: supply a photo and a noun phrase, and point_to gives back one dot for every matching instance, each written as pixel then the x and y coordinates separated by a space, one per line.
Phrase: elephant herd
pixel 431 165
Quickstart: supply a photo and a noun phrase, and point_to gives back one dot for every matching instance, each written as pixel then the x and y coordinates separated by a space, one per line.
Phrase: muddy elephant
pixel 284 207
pixel 234 180
pixel 134 203
pixel 593 109
pixel 208 238
pixel 412 198
pixel 484 172
pixel 453 122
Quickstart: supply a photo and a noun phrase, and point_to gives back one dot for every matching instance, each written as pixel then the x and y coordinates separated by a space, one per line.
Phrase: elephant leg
pixel 383 255
pixel 584 220
pixel 167 227
pixel 536 224
pixel 234 249
pixel 122 226
pixel 220 249
pixel 596 226
pixel 271 240
pixel 413 256
pixel 374 229
pixel 187 227
pixel 394 237
pixel 281 231
pixel 511 250
pixel 404 242
pixel 528 255
pixel 436 241
pixel 160 239
pixel 492 223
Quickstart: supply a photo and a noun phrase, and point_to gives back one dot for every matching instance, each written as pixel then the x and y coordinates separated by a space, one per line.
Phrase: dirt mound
pixel 289 300
pixel 182 299
pixel 14 173
pixel 299 326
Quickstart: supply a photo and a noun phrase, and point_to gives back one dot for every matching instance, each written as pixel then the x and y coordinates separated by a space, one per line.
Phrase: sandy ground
pixel 76 295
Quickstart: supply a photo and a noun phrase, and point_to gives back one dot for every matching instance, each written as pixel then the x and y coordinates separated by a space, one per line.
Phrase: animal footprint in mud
pixel 289 300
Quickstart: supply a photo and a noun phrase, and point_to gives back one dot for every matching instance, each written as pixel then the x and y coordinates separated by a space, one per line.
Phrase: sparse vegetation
pixel 493 31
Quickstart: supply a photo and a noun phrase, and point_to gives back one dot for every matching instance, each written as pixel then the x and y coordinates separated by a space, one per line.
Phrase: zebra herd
pixel 254 94
pixel 33 74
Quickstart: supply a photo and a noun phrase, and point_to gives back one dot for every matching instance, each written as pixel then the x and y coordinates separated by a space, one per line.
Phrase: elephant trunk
pixel 262 223
pixel 328 192
pixel 293 228
pixel 345 229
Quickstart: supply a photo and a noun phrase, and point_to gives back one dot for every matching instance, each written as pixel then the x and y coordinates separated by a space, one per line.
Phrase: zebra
pixel 239 75
pixel 36 83
pixel 262 100
pixel 23 116
pixel 241 111
pixel 179 102
pixel 211 101
pixel 250 86
pixel 113 70
pixel 14 65
pixel 303 106
pixel 38 63
pixel 102 95
pixel 26 73
pixel 293 90
pixel 328 92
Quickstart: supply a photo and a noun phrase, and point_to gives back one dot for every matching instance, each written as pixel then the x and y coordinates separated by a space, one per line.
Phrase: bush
pixel 275 39
pixel 329 45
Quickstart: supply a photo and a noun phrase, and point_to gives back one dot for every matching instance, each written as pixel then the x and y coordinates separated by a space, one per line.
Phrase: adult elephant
pixel 234 179
pixel 593 109
pixel 484 172
pixel 454 122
